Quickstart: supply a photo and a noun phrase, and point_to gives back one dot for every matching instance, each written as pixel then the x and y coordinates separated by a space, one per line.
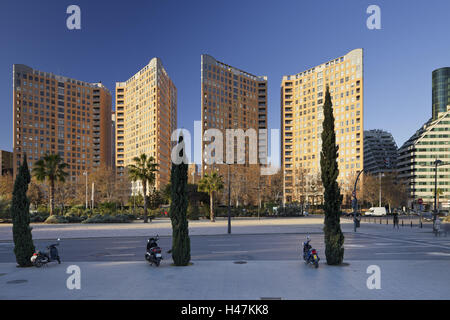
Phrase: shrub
pixel 193 212
pixel 76 210
pixel 38 217
pixel 119 218
pixel 204 211
pixel 241 212
pixel 55 219
pixel 5 210
pixel 42 209
pixel 74 218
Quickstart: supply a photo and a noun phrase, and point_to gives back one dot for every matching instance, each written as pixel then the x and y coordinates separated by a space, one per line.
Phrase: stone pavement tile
pixel 226 280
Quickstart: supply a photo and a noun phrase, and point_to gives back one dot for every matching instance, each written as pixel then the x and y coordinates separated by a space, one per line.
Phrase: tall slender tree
pixel 20 212
pixel 334 238
pixel 50 167
pixel 211 184
pixel 181 244
pixel 143 169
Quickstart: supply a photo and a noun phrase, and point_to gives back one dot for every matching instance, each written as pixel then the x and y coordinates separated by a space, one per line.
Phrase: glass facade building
pixel 441 90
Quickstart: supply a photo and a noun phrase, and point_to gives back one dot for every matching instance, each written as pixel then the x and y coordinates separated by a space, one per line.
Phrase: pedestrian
pixel 396 220
pixel 437 226
pixel 356 221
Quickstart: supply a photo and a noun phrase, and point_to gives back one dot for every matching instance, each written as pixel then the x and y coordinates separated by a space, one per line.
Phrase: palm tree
pixel 51 168
pixel 211 184
pixel 143 170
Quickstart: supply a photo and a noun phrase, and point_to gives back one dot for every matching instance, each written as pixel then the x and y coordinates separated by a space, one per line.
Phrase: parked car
pixel 427 216
pixel 443 213
pixel 376 211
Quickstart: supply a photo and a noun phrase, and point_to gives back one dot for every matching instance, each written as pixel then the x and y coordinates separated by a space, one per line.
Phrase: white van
pixel 376 211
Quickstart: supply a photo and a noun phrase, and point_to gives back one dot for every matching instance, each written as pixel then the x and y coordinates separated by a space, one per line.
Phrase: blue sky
pixel 272 38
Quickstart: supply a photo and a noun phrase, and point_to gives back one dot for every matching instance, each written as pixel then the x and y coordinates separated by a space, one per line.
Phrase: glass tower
pixel 441 90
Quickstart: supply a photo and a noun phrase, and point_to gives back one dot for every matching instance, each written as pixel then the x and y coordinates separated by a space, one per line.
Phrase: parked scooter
pixel 153 254
pixel 310 254
pixel 39 258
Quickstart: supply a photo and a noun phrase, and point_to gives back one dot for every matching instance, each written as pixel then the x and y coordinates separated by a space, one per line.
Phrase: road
pixel 395 245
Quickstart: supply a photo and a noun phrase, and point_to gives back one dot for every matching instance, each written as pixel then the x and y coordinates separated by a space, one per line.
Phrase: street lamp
pixel 86 174
pixel 92 196
pixel 437 162
pixel 259 196
pixel 355 200
pixel 380 174
pixel 229 201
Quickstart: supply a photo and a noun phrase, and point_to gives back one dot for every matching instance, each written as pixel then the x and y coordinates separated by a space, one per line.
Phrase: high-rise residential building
pixel 56 114
pixel 302 98
pixel 380 152
pixel 193 173
pixel 6 162
pixel 146 116
pixel 416 161
pixel 113 138
pixel 440 90
pixel 234 99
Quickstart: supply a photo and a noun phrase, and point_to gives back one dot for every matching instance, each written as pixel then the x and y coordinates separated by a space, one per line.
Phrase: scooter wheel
pixel 38 263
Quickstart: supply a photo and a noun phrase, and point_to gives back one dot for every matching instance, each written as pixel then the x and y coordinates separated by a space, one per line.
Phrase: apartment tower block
pixel 234 99
pixel 302 98
pixel 59 115
pixel 146 116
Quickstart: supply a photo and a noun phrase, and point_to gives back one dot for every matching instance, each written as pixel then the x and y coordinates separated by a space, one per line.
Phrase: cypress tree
pixel 181 245
pixel 334 238
pixel 20 212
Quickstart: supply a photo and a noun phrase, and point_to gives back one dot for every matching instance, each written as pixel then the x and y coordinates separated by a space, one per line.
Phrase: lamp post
pixel 92 198
pixel 437 162
pixel 355 202
pixel 229 201
pixel 259 196
pixel 379 178
pixel 380 174
pixel 86 174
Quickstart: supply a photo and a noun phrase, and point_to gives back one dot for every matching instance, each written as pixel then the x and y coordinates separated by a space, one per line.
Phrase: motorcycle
pixel 153 254
pixel 40 258
pixel 310 254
